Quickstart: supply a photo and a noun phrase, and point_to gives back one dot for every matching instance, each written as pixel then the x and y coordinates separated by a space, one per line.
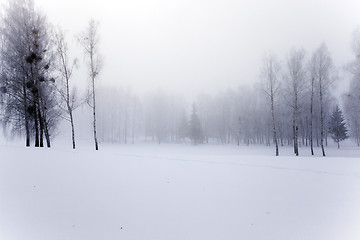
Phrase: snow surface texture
pixel 178 192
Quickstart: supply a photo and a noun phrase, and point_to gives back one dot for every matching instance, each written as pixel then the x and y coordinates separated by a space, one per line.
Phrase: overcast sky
pixel 204 45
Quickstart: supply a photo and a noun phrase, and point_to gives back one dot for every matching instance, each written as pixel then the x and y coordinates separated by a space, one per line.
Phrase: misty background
pixel 182 52
pixel 190 104
pixel 191 47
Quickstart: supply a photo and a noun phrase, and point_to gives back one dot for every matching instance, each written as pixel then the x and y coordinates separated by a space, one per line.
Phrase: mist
pixel 179 120
pixel 192 47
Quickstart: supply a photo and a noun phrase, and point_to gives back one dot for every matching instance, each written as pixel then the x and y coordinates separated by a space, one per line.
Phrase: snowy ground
pixel 178 192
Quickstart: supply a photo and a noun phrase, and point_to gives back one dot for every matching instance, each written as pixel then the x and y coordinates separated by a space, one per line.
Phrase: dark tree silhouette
pixel 26 57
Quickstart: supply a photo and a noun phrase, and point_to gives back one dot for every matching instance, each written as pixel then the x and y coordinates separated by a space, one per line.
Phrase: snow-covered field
pixel 178 192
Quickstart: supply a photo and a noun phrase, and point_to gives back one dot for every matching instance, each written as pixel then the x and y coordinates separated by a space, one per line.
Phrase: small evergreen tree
pixel 195 131
pixel 337 128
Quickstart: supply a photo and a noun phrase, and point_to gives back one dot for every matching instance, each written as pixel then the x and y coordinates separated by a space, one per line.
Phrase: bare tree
pixel 68 95
pixel 352 97
pixel 312 114
pixel 26 74
pixel 323 72
pixel 295 83
pixel 90 43
pixel 270 71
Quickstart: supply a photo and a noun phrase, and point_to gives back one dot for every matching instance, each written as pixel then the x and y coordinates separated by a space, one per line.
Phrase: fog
pixel 166 126
pixel 187 47
pixel 169 64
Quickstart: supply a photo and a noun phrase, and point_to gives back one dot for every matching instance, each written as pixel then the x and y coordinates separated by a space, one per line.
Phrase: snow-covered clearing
pixel 184 192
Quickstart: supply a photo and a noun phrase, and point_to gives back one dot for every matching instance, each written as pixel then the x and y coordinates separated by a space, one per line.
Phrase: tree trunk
pixel 36 126
pixel 295 127
pixel 317 140
pixel 47 135
pixel 36 106
pixel 69 107
pixel 296 141
pixel 41 124
pixel 72 129
pixel 321 119
pixel 41 135
pixel 27 131
pixel 274 127
pixel 27 128
pixel 311 116
pixel 94 115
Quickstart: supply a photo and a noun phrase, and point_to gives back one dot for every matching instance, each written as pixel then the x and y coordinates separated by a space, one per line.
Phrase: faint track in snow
pixel 306 170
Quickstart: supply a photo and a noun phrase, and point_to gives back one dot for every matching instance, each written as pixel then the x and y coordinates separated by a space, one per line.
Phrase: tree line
pixel 291 104
pixel 235 116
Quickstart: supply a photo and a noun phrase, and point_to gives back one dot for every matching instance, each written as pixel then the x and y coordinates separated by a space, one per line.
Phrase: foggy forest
pixel 291 104
pixel 174 120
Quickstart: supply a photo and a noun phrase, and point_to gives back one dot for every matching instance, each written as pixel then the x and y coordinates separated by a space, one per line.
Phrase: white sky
pixel 204 45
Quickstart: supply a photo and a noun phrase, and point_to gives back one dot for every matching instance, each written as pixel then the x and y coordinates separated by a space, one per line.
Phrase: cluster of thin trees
pixel 291 104
pixel 36 73
pixel 304 87
pixel 26 81
pixel 351 100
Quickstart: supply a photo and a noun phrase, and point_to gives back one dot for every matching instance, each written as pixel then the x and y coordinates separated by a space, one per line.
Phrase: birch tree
pixel 323 73
pixel 312 113
pixel 69 101
pixel 295 84
pixel 352 97
pixel 90 43
pixel 270 71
